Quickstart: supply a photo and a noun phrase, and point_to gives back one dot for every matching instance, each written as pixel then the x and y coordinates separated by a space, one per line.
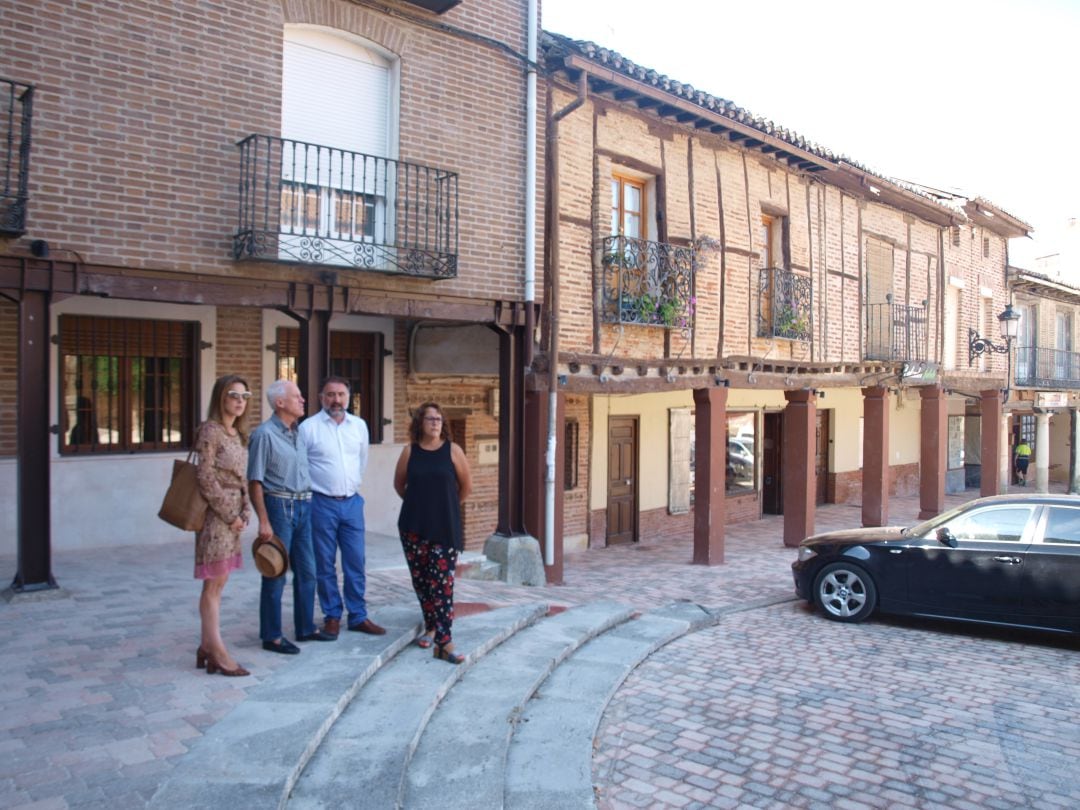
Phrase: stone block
pixel 519 557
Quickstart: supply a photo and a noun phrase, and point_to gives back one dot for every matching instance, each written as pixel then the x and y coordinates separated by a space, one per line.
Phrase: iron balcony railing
pixel 648 283
pixel 896 332
pixel 1047 368
pixel 15 124
pixel 300 202
pixel 784 299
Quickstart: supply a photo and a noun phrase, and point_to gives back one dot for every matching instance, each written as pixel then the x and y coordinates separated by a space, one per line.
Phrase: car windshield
pixel 926 527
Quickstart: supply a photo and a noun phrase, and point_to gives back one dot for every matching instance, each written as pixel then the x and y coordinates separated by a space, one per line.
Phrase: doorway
pixel 622 467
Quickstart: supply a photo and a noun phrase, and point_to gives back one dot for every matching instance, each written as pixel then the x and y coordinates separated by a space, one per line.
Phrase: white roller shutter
pixel 334 93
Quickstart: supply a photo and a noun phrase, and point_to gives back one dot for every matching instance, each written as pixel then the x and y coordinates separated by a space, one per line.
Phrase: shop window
pixel 127 385
pixel 740 474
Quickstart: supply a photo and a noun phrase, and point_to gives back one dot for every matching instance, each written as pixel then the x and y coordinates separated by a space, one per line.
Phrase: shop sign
pixel 1051 399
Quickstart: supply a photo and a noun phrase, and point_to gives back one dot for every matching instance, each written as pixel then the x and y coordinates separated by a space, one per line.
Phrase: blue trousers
pixel 339 526
pixel 291 521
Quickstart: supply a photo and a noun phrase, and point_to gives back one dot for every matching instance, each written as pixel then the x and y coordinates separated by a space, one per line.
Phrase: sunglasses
pixel 244 395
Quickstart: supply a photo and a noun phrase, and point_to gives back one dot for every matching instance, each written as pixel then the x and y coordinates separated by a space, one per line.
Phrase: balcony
pixel 317 205
pixel 15 119
pixel 1047 368
pixel 784 299
pixel 647 283
pixel 896 332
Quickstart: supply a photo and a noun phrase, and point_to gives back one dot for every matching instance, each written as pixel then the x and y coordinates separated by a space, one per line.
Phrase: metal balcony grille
pixel 1047 368
pixel 648 283
pixel 318 205
pixel 895 332
pixel 15 121
pixel 784 299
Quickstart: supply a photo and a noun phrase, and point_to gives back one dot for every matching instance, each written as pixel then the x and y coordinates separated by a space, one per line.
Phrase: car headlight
pixel 806 553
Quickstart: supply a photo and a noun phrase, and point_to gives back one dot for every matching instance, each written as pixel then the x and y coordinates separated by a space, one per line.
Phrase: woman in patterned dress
pixel 433 479
pixel 222 448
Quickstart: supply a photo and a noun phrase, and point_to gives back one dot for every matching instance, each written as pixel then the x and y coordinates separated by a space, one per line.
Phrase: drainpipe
pixel 530 180
pixel 552 177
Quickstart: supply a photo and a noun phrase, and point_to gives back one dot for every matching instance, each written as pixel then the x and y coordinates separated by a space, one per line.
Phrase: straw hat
pixel 271 558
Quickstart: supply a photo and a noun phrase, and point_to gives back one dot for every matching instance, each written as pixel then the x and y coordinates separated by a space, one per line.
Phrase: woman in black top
pixel 433 479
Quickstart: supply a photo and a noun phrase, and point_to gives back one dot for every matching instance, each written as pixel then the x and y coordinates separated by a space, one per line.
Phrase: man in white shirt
pixel 337 449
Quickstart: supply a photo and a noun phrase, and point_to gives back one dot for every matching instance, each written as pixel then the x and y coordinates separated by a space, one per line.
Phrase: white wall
pixel 108 500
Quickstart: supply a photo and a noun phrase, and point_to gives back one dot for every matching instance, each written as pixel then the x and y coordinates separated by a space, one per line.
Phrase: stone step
pixel 478 567
pixel 254 755
pixel 461 758
pixel 363 759
pixel 549 762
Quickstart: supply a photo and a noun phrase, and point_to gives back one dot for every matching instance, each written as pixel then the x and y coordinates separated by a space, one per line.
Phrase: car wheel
pixel 845 592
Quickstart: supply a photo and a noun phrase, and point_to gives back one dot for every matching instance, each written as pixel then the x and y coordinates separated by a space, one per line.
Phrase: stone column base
pixel 519 558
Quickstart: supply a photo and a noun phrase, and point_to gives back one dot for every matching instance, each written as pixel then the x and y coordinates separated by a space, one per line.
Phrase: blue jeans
pixel 339 525
pixel 291 521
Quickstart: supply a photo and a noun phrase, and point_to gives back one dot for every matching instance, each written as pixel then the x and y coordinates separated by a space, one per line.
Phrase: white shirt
pixel 337 454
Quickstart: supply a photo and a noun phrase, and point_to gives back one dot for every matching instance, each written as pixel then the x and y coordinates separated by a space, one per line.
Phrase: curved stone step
pixel 461 758
pixel 549 763
pixel 254 755
pixel 363 759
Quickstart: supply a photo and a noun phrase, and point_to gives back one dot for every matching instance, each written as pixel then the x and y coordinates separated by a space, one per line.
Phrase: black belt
pixel 336 497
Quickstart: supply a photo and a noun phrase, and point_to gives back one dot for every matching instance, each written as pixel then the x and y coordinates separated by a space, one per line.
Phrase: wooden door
pixel 622 508
pixel 821 455
pixel 772 502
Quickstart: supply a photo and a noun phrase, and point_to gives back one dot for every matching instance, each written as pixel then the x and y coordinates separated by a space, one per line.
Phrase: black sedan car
pixel 1008 559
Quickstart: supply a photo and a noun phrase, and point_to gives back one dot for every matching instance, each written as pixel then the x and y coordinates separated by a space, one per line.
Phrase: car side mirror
pixel 946 537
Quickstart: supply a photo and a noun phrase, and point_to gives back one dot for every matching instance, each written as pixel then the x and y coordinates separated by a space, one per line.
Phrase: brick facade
pixel 137 113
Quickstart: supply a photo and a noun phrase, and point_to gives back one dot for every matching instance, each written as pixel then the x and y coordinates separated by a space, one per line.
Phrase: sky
pixel 979 97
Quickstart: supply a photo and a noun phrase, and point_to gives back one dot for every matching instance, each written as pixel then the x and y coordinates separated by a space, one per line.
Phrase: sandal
pixel 444 654
pixel 424 641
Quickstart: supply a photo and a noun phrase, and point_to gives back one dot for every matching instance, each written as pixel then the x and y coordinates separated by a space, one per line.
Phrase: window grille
pixel 127 384
pixel 356 356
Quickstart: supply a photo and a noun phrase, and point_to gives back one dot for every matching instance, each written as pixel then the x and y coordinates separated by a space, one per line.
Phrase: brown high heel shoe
pixel 200 658
pixel 214 668
pixel 444 654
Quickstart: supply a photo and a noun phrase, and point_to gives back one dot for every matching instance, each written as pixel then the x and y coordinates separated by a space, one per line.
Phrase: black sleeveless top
pixel 432 507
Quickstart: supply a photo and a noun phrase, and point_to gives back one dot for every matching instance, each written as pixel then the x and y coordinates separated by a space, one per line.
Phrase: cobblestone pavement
pixel 772 707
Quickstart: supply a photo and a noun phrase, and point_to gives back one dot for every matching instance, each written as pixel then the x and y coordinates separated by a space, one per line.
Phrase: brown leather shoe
pixel 369 627
pixel 332 627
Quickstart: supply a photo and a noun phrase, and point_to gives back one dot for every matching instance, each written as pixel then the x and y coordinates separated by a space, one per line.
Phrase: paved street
pixel 774 706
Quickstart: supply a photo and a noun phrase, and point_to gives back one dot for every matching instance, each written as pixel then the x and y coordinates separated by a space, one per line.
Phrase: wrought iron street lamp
pixel 1009 321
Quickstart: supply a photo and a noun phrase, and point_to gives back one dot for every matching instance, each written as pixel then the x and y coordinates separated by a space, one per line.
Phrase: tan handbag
pixel 184 506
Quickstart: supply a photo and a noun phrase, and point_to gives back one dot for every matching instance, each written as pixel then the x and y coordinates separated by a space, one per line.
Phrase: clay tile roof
pixel 555 47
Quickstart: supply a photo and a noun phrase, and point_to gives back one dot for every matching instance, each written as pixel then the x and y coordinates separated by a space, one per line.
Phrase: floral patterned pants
pixel 432 570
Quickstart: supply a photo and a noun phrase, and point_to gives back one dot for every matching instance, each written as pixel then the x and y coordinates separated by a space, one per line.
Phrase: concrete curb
pixel 559 725
pixel 373 742
pixel 254 756
pixel 461 759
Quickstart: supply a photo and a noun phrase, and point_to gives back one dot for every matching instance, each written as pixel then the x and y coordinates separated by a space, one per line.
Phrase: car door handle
pixel 1009 560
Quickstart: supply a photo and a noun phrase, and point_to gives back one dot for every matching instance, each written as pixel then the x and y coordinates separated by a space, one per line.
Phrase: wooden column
pixel 34 567
pixel 313 362
pixel 798 477
pixel 990 426
pixel 710 497
pixel 875 473
pixel 511 433
pixel 933 451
